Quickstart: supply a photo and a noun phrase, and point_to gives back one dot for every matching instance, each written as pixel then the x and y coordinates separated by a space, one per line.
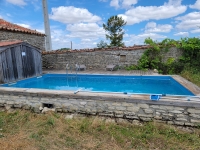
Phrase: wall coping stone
pixel 142 99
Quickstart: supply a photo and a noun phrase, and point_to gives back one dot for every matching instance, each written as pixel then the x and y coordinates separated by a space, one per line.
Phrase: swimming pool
pixel 105 83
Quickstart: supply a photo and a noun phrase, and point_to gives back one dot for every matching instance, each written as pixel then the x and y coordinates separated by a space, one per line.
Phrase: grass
pixel 25 130
pixel 192 76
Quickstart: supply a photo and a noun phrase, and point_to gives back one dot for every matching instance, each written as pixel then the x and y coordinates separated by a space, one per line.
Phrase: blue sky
pixel 80 21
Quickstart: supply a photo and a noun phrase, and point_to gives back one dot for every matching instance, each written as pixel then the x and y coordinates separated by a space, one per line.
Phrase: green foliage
pixel 102 44
pixel 64 49
pixel 114 27
pixel 153 56
pixel 192 74
pixel 191 51
pixel 132 67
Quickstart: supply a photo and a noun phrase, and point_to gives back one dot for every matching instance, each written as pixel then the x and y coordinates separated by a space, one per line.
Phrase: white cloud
pixel 196 5
pixel 73 15
pixel 81 34
pixel 114 3
pixel 17 2
pixel 59 39
pixel 122 3
pixel 24 25
pixel 142 13
pixel 153 27
pixel 1 17
pixel 189 21
pixel 182 34
pixel 195 31
pixel 173 2
pixel 128 3
pixel 82 30
pixel 139 39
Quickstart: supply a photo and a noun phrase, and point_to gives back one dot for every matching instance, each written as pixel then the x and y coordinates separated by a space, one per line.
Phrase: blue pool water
pixel 106 83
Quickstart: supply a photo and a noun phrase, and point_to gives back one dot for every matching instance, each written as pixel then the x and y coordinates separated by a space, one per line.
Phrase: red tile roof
pixel 130 48
pixel 6 43
pixel 4 25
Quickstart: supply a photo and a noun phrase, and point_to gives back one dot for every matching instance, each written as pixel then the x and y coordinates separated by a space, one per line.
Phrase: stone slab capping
pixel 131 108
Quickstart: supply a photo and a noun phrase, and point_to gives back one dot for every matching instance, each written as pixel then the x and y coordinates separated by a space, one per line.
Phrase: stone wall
pixel 98 59
pixel 33 39
pixel 108 105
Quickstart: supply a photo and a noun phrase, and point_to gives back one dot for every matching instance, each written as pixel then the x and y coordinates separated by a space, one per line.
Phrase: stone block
pixel 111 108
pixel 107 114
pixel 145 119
pixel 66 105
pixel 161 111
pixel 26 107
pixel 179 123
pixel 148 111
pixel 66 110
pixel 189 124
pixel 116 104
pixel 145 106
pixel 195 121
pixel 166 107
pixel 170 122
pixel 179 108
pixel 83 103
pixel 145 115
pixel 181 116
pixel 36 110
pixel 120 108
pixel 10 102
pixel 131 117
pixel 195 116
pixel 17 105
pixel 128 104
pixel 2 101
pixel 58 110
pixel 133 109
pixel 168 115
pixel 193 111
pixel 182 119
pixel 158 117
pixel 154 106
pixel 176 112
pixel 158 113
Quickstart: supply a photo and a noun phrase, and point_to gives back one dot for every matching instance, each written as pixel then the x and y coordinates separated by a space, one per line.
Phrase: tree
pixel 102 44
pixel 114 27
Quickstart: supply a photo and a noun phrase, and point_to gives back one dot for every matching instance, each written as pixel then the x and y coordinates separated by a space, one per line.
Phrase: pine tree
pixel 114 27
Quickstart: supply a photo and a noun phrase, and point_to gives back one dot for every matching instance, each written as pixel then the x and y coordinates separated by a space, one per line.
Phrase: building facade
pixel 9 31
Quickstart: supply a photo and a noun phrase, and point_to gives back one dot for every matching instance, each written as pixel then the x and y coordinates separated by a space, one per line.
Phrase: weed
pixel 50 121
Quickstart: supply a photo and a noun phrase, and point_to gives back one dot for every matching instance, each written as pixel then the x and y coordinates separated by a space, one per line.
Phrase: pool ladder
pixel 67 73
pixel 70 68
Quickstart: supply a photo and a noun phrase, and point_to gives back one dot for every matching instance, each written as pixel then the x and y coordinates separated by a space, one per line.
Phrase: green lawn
pixel 25 130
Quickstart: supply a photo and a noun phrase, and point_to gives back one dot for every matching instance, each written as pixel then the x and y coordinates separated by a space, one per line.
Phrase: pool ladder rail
pixel 70 68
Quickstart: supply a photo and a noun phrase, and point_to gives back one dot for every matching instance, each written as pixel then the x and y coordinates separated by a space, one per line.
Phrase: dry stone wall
pixel 116 106
pixel 33 39
pixel 98 59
